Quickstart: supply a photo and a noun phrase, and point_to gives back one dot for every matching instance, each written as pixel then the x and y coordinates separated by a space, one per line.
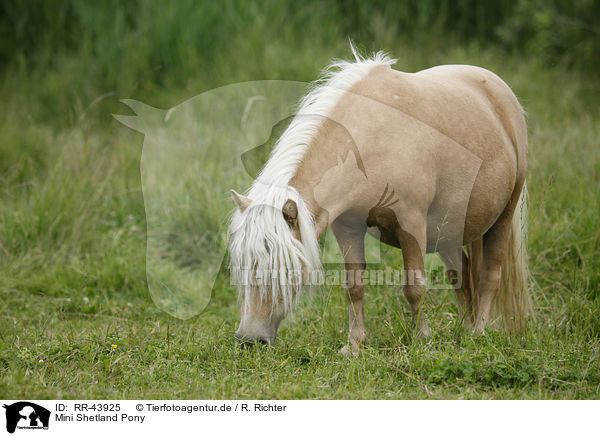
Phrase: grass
pixel 77 320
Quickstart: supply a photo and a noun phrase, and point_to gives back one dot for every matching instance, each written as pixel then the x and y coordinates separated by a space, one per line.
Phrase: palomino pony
pixel 432 161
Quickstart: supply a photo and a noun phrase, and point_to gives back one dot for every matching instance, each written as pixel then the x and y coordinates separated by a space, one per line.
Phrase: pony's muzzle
pixel 247 342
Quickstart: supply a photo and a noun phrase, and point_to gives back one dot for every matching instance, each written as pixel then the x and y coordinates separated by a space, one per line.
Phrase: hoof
pixel 423 332
pixel 479 331
pixel 350 350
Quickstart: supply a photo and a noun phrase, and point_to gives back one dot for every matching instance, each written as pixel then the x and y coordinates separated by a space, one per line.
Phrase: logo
pixel 26 415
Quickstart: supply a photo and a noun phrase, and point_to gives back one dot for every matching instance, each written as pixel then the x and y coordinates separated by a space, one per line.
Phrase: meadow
pixel 76 317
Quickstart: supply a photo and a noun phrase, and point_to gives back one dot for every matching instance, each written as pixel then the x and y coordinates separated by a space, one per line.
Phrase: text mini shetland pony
pixel 438 162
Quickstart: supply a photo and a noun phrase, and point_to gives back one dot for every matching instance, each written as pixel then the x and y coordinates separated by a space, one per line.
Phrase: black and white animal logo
pixel 26 415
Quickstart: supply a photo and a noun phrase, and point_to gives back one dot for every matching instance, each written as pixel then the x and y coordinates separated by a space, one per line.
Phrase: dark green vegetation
pixel 72 223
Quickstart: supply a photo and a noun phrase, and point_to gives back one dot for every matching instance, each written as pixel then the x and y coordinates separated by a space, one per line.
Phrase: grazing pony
pixel 432 161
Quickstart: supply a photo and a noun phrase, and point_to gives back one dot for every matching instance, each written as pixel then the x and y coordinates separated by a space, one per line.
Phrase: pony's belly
pixel 451 236
pixel 453 220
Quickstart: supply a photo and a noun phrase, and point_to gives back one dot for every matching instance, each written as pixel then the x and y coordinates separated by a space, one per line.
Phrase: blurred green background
pixel 70 53
pixel 72 221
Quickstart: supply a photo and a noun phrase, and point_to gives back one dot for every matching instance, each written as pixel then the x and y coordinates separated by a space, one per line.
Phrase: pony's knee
pixel 414 294
pixel 355 293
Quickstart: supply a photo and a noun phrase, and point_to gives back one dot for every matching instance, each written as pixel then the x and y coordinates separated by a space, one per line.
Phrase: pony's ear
pixel 290 212
pixel 240 200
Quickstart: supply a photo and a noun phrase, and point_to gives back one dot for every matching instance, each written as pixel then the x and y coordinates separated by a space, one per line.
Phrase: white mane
pixel 264 254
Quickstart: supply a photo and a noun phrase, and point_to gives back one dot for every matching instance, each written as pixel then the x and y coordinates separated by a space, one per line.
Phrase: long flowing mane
pixel 264 254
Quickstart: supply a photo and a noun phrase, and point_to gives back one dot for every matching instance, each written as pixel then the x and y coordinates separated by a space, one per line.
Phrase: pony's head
pixel 273 250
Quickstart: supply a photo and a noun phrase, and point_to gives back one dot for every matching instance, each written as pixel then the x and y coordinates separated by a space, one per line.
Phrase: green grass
pixel 73 245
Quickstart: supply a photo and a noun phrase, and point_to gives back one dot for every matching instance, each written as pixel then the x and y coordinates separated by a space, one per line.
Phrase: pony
pixel 432 161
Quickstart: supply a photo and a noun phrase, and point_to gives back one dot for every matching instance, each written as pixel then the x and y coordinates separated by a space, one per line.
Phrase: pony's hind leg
pixel 352 244
pixel 495 248
pixel 457 266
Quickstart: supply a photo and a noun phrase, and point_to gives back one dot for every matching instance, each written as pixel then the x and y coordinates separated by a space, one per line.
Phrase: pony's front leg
pixel 413 243
pixel 352 244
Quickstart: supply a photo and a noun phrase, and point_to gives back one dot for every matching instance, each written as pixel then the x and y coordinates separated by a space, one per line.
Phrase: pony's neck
pixel 327 173
pixel 331 167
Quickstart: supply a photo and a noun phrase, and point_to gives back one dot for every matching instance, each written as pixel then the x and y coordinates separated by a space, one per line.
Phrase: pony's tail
pixel 513 300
